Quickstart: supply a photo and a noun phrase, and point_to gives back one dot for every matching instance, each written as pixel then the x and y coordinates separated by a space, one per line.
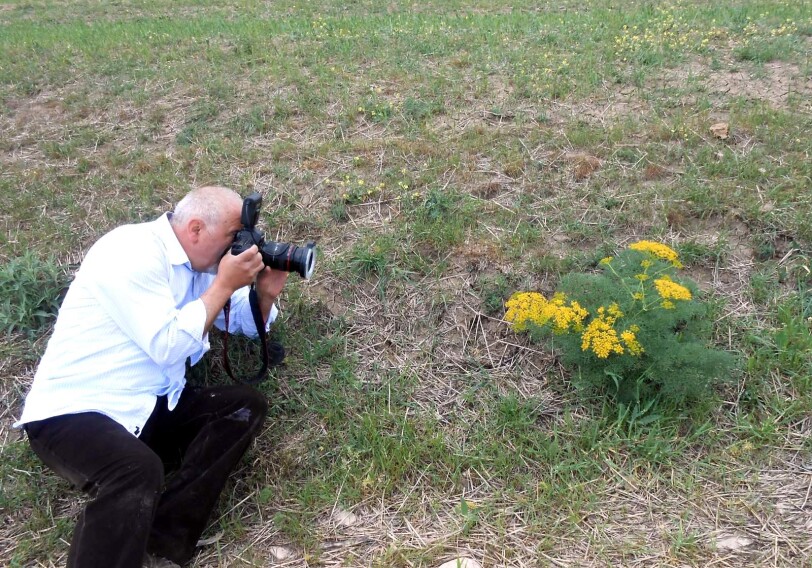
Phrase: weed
pixel 418 109
pixel 629 331
pixel 31 289
pixel 441 218
pixel 494 290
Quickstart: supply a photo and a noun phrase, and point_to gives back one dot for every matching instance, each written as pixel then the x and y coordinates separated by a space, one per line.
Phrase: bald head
pixel 205 222
pixel 210 204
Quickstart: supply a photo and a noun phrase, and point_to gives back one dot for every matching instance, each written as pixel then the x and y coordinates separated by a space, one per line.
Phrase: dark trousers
pixel 134 508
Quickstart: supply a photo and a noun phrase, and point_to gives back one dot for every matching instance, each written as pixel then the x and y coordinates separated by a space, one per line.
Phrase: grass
pixel 444 155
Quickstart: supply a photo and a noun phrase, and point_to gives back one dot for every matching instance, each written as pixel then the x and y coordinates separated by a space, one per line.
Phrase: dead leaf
pixel 460 563
pixel 344 518
pixel 785 507
pixel 210 540
pixel 733 542
pixel 721 130
pixel 583 165
pixel 280 552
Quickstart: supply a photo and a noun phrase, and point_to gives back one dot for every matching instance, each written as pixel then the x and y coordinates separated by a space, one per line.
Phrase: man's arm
pixel 133 286
pixel 269 285
pixel 233 273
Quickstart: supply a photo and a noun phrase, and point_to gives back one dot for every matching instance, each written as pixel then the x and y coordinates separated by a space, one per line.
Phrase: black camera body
pixel 280 256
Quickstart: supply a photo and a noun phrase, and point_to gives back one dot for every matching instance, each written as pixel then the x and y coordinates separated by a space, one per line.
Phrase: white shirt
pixel 129 321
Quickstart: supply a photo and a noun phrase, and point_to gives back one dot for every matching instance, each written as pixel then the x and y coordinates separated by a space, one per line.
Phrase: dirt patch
pixel 729 276
pixel 777 83
pixel 329 297
pixel 583 165
pixel 613 105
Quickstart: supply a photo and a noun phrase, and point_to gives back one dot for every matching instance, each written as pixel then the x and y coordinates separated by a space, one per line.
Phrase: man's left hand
pixel 269 285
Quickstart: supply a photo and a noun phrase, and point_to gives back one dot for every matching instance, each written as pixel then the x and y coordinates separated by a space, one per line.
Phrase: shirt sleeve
pixel 136 292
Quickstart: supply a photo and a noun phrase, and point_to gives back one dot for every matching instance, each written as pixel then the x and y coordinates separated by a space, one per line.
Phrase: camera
pixel 280 256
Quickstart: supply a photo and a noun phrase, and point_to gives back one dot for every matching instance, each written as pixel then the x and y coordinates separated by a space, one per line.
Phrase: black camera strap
pixel 253 299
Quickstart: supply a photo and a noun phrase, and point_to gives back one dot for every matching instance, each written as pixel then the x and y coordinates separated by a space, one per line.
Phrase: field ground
pixel 444 154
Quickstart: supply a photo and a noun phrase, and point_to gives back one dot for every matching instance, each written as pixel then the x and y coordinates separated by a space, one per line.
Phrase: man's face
pixel 215 240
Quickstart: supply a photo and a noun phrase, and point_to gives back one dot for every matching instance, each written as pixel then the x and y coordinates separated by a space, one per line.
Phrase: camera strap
pixel 253 300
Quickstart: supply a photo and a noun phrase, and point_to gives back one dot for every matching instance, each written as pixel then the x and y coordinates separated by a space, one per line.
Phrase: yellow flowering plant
pixel 632 329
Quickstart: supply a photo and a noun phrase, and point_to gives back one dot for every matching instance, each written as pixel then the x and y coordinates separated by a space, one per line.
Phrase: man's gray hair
pixel 209 204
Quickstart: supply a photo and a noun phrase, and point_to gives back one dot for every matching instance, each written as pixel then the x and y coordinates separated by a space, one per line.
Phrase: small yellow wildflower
pixel 610 314
pixel 659 250
pixel 567 317
pixel 524 307
pixel 602 338
pixel 606 260
pixel 646 263
pixel 670 290
pixel 639 296
pixel 641 277
pixel 531 307
pixel 629 338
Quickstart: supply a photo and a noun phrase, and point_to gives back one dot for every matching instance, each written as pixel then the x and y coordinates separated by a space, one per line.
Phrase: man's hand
pixel 236 271
pixel 233 272
pixel 270 282
pixel 269 285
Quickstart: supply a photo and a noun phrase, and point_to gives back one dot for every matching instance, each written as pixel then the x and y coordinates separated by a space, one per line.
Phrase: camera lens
pixel 304 260
pixel 290 258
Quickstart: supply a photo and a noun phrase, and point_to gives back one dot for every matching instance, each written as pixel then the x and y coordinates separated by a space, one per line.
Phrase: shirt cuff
pixel 247 324
pixel 271 316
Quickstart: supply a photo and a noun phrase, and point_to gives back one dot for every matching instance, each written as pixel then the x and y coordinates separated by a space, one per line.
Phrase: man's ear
pixel 195 229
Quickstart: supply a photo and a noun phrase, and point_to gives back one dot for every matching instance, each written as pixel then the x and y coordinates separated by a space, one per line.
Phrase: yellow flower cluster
pixel 629 338
pixel 612 313
pixel 602 338
pixel 355 189
pixel 659 250
pixel 600 335
pixel 524 307
pixel 604 332
pixel 670 290
pixel 532 307
pixel 665 31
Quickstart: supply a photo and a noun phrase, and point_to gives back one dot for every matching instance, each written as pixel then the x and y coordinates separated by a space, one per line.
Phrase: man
pixel 108 409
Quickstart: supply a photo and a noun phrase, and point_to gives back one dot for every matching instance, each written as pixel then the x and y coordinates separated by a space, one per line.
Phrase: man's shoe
pixel 276 354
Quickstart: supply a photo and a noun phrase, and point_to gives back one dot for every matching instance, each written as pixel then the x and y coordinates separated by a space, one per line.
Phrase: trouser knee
pixel 251 405
pixel 142 474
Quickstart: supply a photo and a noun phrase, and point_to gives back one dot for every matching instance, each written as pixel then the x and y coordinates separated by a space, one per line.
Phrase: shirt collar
pixel 174 251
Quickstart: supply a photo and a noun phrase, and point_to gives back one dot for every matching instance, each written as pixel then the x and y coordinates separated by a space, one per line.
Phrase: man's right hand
pixel 236 271
pixel 233 272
